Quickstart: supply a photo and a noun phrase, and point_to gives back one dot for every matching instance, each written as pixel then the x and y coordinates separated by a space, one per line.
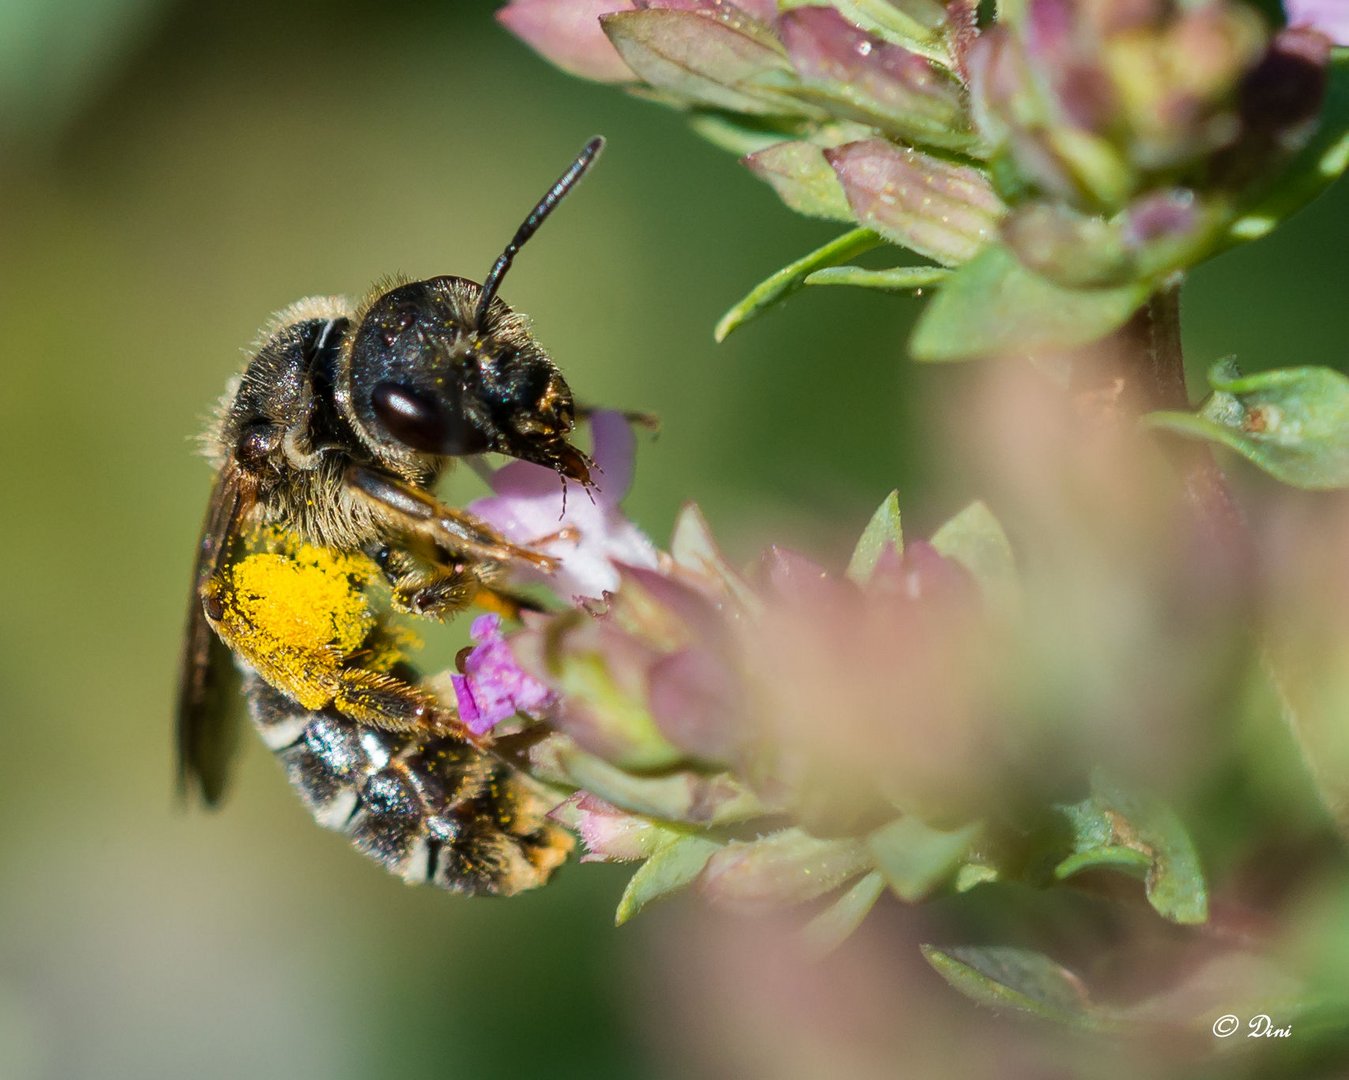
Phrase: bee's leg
pixel 650 421
pixel 440 594
pixel 322 675
pixel 437 594
pixel 437 591
pixel 418 513
pixel 387 702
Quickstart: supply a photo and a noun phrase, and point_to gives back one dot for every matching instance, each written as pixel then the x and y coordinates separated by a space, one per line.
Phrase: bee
pixel 327 451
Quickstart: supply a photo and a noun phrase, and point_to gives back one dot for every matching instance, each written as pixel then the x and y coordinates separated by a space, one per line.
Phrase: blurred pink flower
pixel 1331 17
pixel 831 696
pixel 493 687
pixel 529 504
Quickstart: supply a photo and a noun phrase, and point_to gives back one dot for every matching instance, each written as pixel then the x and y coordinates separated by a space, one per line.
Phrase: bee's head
pixel 427 375
pixel 443 367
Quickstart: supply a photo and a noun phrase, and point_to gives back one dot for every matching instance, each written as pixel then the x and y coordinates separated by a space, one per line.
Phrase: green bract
pixel 1292 422
pixel 1119 830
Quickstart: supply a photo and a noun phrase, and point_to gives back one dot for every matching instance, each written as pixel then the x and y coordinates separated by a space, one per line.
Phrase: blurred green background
pixel 171 173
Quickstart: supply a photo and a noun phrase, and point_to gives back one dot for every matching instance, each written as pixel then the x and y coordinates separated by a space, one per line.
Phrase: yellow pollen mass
pixel 308 599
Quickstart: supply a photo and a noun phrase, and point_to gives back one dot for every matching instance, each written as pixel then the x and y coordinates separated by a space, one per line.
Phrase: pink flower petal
pixel 790 573
pixel 610 835
pixel 529 505
pixel 1331 17
pixel 568 33
pixel 493 687
pixel 696 700
pixel 726 61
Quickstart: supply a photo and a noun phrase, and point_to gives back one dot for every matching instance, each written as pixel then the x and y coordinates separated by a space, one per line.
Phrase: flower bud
pixel 568 33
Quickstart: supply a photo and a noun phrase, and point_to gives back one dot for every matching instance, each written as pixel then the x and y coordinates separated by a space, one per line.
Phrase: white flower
pixel 532 503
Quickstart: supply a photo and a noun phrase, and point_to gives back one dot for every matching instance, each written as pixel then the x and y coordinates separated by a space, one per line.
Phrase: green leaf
pixel 1291 422
pixel 669 869
pixel 994 305
pixel 976 540
pixel 882 530
pixel 916 858
pixel 896 279
pixel 1163 854
pixel 776 288
pixel 787 867
pixel 1242 984
pixel 1313 169
pixel 1018 980
pixel 741 134
pixel 836 923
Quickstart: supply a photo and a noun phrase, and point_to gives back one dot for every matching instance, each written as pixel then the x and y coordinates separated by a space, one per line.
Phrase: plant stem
pixel 1163 387
pixel 1165 377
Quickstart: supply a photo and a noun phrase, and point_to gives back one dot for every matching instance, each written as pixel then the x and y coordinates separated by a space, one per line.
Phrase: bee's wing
pixel 207 725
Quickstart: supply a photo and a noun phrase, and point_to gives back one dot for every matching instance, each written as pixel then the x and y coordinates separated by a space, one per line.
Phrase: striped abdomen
pixel 432 810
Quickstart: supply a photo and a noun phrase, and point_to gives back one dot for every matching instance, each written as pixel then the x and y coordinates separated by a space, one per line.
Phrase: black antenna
pixel 531 224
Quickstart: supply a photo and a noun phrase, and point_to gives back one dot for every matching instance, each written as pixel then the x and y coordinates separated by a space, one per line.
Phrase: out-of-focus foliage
pixel 58 56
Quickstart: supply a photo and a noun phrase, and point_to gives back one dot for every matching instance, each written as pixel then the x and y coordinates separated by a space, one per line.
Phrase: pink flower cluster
pixel 797 680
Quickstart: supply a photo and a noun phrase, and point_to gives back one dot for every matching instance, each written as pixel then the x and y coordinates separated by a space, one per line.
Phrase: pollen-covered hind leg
pixel 307 629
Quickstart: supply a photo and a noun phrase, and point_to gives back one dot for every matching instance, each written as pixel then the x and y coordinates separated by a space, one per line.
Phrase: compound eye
pixel 422 422
pixel 410 417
